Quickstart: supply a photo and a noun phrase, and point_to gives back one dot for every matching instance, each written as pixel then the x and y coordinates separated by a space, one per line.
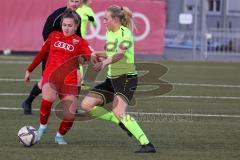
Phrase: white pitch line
pixel 206 85
pixel 15 57
pixel 14 94
pixel 15 62
pixel 186 114
pixel 16 80
pixel 151 114
pixel 197 97
pixel 183 97
pixel 203 67
pixel 21 61
pixel 177 84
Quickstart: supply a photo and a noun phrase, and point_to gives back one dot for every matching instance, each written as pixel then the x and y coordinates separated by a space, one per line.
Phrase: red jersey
pixel 63 53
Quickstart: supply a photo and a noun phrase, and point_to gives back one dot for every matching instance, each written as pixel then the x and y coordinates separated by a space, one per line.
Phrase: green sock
pixel 81 72
pixel 131 124
pixel 102 113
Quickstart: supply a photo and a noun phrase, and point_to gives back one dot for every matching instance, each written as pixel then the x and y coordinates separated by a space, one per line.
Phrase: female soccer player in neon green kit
pixel 121 81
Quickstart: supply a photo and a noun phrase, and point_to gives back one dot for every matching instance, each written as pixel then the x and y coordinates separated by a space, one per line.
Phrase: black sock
pixel 33 94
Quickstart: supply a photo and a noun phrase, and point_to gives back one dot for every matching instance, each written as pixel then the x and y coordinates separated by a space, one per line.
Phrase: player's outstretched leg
pixel 104 114
pixel 131 124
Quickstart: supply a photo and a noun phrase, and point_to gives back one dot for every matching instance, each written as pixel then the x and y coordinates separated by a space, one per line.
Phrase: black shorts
pixel 124 85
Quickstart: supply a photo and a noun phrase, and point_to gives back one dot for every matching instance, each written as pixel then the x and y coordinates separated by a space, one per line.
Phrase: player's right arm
pixel 41 54
pixel 38 59
pixel 91 17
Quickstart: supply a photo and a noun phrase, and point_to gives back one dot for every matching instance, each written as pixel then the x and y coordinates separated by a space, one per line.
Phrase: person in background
pixel 87 15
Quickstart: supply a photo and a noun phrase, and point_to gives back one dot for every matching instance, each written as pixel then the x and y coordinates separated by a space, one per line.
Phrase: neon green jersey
pixel 122 37
pixel 84 12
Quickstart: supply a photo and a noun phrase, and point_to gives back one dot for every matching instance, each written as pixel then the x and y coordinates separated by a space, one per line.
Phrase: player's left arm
pixel 122 49
pixel 115 58
pixel 91 17
pixel 100 65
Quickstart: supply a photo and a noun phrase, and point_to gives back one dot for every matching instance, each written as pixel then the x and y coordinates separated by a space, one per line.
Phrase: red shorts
pixel 63 84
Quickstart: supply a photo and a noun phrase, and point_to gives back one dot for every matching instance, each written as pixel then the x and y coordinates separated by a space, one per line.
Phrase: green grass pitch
pixel 198 120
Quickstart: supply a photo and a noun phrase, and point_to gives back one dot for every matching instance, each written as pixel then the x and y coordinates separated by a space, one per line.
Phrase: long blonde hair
pixel 124 14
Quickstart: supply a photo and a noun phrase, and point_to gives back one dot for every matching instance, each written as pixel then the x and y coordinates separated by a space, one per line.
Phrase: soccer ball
pixel 27 136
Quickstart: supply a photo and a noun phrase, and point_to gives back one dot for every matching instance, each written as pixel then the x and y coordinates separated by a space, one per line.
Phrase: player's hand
pixel 100 65
pixel 27 76
pixel 95 59
pixel 90 18
pixel 97 66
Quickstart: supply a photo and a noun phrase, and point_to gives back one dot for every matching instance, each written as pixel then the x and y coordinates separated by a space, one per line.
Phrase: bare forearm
pixel 110 60
pixel 115 58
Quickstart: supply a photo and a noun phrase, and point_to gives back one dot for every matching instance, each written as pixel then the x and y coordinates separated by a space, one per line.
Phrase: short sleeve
pixel 126 40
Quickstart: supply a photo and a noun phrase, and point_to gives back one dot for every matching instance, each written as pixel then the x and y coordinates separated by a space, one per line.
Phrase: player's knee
pixel 89 102
pixel 86 105
pixel 48 93
pixel 49 96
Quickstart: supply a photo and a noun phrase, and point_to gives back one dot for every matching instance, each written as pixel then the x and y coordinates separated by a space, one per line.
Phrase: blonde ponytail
pixel 124 14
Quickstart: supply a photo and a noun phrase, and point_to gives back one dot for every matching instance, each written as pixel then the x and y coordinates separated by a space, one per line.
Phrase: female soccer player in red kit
pixel 64 50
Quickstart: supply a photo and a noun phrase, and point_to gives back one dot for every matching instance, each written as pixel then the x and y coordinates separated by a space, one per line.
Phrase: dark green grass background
pixel 175 137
